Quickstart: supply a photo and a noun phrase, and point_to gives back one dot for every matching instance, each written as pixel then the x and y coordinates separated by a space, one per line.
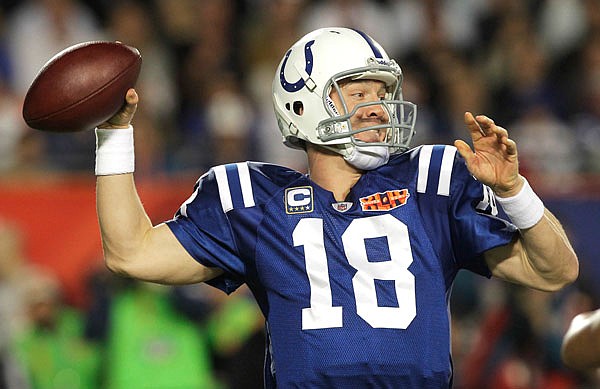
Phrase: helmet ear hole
pixel 298 108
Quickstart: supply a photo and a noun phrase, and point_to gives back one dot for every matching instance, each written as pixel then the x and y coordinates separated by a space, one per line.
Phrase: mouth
pixel 370 136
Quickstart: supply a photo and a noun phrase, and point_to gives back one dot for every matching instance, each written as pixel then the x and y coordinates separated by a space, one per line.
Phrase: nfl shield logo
pixel 342 206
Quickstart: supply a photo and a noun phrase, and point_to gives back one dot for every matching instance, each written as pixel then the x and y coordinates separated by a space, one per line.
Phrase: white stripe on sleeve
pixel 446 170
pixel 245 184
pixel 424 161
pixel 223 184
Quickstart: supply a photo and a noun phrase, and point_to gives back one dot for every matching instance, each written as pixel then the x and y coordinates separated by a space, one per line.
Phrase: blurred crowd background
pixel 532 65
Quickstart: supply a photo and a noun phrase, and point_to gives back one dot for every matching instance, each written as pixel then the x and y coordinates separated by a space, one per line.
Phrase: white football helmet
pixel 316 64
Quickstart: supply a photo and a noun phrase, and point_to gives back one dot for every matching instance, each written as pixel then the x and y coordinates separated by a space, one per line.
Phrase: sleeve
pixel 476 224
pixel 203 228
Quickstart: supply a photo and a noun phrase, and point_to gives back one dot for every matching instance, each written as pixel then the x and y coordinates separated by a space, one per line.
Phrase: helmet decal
pixel 296 86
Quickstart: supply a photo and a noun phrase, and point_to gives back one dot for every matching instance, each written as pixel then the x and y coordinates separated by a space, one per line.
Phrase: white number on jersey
pixel 489 200
pixel 322 313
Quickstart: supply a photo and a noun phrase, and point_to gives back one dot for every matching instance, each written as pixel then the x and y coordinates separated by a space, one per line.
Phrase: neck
pixel 329 170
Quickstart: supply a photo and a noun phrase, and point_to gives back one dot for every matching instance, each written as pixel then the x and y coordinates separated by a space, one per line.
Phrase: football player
pixel 581 344
pixel 352 264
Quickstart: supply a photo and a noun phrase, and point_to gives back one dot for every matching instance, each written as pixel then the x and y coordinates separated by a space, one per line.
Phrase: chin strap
pixel 366 157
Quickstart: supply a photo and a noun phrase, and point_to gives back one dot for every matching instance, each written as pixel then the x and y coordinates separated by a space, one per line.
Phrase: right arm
pixel 132 246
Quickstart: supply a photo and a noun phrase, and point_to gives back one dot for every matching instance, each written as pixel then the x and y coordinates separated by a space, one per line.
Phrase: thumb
pixel 132 97
pixel 123 117
pixel 464 150
pixel 131 101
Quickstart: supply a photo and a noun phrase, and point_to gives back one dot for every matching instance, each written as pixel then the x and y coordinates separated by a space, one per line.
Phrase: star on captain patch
pixel 299 200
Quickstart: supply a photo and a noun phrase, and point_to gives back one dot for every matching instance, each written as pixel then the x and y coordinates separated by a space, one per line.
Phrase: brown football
pixel 81 87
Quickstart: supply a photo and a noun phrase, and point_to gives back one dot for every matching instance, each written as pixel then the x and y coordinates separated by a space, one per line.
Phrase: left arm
pixel 542 257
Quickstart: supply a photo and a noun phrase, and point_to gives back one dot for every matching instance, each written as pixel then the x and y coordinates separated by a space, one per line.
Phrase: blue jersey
pixel 355 293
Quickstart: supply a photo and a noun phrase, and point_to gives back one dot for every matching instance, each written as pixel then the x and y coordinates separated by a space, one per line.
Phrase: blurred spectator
pixel 364 15
pixel 459 83
pixel 13 265
pixel 51 347
pixel 69 152
pixel 30 157
pixel 586 121
pixel 216 117
pixel 235 329
pixel 532 106
pixel 517 68
pixel 178 21
pixel 147 342
pixel 546 144
pixel 217 128
pixel 413 25
pixel 562 25
pixel 528 79
pixel 517 343
pixel 592 14
pixel 230 121
pixel 13 315
pixel 151 150
pixel 12 128
pixel 38 29
pixel 418 88
pixel 133 23
pixel 184 336
pixel 277 22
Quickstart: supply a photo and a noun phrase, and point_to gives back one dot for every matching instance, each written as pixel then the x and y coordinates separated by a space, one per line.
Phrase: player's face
pixel 364 91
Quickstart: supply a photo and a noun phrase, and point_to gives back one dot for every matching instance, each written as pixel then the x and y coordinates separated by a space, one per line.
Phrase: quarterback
pixel 351 264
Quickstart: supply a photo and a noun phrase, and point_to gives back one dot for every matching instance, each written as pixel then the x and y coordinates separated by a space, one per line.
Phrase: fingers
pixel 502 138
pixel 486 124
pixel 473 126
pixel 482 126
pixel 488 127
pixel 511 146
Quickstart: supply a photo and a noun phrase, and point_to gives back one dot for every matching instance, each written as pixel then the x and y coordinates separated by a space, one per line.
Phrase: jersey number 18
pixel 322 313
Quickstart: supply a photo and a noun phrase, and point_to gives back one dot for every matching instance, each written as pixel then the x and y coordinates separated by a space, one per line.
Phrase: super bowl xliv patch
pixel 384 201
pixel 299 200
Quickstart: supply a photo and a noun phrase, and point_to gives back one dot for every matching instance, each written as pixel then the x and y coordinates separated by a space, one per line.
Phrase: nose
pixel 375 111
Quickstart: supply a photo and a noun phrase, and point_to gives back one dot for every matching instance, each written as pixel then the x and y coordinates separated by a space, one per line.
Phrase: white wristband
pixel 114 151
pixel 524 209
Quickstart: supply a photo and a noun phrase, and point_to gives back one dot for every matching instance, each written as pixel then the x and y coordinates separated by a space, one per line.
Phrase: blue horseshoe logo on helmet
pixel 296 86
